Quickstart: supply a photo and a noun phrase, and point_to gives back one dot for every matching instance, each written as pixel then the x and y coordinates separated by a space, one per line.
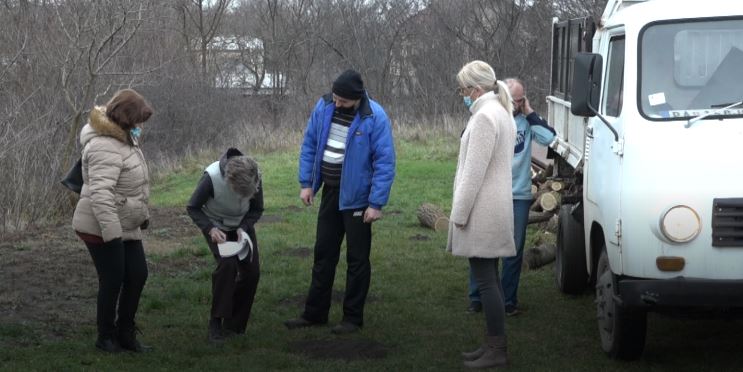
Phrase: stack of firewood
pixel 548 194
pixel 547 198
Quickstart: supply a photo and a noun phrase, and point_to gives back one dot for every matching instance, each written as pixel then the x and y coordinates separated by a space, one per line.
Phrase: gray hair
pixel 479 74
pixel 242 175
pixel 515 80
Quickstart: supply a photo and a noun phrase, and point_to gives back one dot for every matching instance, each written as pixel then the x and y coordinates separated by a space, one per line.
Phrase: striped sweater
pixel 335 148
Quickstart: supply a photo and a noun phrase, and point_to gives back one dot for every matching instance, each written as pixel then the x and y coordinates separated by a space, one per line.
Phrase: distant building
pixel 238 63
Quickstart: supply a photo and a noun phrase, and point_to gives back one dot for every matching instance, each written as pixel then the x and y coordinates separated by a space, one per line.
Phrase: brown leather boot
pixel 495 354
pixel 474 355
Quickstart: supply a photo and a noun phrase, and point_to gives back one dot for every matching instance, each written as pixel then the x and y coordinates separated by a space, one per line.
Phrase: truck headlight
pixel 680 224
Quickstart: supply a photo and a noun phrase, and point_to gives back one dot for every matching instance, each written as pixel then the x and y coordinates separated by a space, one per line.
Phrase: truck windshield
pixel 691 68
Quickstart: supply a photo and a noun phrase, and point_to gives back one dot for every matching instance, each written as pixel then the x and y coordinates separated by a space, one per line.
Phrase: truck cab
pixel 647 108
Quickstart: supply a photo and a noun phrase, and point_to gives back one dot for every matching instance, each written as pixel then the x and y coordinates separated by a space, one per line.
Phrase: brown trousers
pixel 234 284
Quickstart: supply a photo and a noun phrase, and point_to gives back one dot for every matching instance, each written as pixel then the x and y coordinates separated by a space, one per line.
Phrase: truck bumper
pixel 681 292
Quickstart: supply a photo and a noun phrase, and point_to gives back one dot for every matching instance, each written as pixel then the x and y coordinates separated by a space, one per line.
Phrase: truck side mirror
pixel 584 98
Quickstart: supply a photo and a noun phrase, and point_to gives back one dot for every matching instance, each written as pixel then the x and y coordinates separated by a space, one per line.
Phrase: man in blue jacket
pixel 349 151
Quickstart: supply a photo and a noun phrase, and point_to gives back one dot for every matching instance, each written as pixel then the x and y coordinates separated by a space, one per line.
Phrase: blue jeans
pixel 511 271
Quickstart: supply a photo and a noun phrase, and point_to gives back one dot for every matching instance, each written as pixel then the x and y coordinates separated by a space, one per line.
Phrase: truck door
pixel 604 155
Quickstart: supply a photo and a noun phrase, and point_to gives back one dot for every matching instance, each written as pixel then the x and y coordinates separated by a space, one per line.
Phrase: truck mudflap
pixel 680 292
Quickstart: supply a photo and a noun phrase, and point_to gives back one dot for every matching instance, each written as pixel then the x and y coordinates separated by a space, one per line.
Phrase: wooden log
pixel 557 186
pixel 535 206
pixel 546 186
pixel 539 256
pixel 431 216
pixel 542 175
pixel 550 201
pixel 552 223
pixel 537 217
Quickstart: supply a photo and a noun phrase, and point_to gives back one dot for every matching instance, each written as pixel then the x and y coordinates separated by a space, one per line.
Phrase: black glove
pixel 145 224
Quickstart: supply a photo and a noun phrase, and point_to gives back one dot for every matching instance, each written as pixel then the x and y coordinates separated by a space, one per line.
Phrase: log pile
pixel 548 193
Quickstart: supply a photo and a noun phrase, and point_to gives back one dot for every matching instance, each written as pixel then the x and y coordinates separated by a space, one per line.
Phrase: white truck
pixel 649 120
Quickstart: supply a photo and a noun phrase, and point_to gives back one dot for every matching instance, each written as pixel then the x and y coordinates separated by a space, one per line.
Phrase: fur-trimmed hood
pixel 100 125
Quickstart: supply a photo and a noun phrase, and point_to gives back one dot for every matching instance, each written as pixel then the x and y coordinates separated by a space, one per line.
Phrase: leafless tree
pixel 201 22
pixel 59 58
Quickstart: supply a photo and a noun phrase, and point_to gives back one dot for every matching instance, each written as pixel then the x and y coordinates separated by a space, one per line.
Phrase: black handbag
pixel 73 180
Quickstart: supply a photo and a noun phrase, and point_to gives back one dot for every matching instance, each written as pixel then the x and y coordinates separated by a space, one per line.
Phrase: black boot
pixel 107 344
pixel 216 336
pixel 128 340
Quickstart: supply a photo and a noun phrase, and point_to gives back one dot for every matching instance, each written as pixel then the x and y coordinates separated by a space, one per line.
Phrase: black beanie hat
pixel 349 85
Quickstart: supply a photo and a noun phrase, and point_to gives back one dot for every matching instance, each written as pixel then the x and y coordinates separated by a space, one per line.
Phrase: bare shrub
pixel 59 58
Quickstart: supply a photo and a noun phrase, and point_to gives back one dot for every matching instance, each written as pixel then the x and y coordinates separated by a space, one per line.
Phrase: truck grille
pixel 727 222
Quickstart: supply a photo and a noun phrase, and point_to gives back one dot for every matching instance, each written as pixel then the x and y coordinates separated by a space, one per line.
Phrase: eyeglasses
pixel 461 90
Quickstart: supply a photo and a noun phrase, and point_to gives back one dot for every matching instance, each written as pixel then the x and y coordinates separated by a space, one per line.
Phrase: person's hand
pixel 306 195
pixel 372 214
pixel 526 107
pixel 217 235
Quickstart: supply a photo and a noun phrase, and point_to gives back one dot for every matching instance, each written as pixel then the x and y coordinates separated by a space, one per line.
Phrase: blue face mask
pixel 467 101
pixel 136 132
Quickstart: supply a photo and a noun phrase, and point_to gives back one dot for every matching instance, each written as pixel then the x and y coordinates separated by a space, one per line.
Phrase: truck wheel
pixel 622 329
pixel 570 254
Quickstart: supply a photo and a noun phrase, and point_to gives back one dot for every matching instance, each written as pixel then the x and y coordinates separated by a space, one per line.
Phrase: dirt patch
pixel 336 297
pixel 345 349
pixel 302 252
pixel 293 208
pixel 48 282
pixel 170 230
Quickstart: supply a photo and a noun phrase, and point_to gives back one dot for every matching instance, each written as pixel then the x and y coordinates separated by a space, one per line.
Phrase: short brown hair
pixel 242 175
pixel 128 108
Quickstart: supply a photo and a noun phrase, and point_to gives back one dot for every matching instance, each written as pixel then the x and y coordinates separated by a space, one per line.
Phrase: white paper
pixel 247 249
pixel 241 248
pixel 657 99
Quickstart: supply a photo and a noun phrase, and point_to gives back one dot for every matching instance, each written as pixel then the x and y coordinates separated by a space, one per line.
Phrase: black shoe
pixel 475 307
pixel 512 310
pixel 230 328
pixel 128 341
pixel 301 323
pixel 108 345
pixel 215 334
pixel 344 328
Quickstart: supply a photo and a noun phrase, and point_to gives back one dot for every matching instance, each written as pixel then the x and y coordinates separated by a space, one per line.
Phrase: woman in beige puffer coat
pixel 112 211
pixel 481 226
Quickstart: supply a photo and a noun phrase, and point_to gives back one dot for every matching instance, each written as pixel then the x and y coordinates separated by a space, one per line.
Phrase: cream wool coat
pixel 113 200
pixel 482 199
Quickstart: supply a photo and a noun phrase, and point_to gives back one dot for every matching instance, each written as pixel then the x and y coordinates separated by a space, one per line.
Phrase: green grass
pixel 416 306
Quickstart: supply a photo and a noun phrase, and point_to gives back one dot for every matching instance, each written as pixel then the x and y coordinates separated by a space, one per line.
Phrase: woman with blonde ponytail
pixel 482 208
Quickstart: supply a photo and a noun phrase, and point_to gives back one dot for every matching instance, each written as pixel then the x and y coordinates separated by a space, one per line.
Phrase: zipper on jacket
pixel 317 151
